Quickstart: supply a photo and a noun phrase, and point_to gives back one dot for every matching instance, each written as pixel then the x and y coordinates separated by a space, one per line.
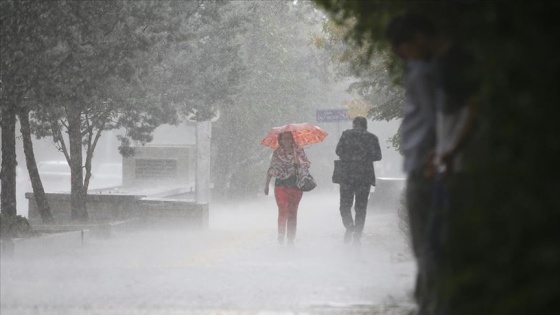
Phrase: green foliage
pixel 99 65
pixel 14 226
pixel 503 244
pixel 86 67
pixel 350 59
pixel 200 76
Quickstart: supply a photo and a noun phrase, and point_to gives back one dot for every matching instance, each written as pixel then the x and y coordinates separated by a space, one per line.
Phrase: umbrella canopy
pixel 304 134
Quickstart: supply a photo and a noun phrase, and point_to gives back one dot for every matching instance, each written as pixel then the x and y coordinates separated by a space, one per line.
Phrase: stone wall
pixel 111 207
pixel 101 208
pixel 153 178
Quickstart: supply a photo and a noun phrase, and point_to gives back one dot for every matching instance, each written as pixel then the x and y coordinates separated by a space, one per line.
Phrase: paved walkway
pixel 234 267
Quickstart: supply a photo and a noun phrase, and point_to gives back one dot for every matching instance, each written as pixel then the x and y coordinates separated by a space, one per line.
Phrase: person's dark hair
pixel 404 28
pixel 360 122
pixel 285 134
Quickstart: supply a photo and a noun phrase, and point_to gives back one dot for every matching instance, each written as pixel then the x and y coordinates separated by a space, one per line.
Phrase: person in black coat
pixel 357 150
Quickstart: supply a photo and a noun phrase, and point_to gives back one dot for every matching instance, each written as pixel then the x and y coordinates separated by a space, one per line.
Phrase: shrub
pixel 14 226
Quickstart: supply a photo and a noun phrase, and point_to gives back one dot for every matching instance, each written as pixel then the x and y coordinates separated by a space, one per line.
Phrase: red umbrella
pixel 303 134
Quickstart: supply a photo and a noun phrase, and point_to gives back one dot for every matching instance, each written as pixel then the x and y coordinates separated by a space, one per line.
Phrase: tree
pixel 199 76
pixel 43 206
pixel 374 84
pixel 20 54
pixel 505 243
pixel 77 36
pixel 9 163
pixel 102 65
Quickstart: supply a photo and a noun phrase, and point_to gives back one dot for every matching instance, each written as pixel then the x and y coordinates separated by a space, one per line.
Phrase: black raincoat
pixel 357 150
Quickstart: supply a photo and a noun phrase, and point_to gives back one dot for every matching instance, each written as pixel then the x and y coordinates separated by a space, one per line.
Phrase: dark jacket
pixel 358 149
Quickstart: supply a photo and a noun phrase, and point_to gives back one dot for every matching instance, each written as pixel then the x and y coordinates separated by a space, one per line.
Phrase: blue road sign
pixel 332 115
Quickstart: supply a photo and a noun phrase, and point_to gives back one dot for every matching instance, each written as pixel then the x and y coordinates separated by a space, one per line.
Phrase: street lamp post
pixel 203 154
pixel 202 177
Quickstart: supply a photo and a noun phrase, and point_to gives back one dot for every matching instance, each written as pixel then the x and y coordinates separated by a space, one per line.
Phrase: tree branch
pixel 57 138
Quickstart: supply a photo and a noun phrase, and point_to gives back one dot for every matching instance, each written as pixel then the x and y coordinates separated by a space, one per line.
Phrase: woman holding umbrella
pixel 287 160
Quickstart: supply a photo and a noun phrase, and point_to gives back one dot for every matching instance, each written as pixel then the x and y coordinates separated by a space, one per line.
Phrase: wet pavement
pixel 234 267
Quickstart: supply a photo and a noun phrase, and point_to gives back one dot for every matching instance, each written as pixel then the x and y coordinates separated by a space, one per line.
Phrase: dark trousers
pixel 420 204
pixel 348 193
pixel 454 197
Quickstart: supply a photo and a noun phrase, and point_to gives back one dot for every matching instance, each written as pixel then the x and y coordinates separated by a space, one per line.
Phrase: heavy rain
pixel 154 156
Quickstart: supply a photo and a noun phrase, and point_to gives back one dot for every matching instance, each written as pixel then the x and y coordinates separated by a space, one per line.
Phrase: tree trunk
pixel 78 195
pixel 40 198
pixel 9 162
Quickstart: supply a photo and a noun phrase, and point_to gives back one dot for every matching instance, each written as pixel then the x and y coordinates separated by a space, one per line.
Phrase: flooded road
pixel 234 267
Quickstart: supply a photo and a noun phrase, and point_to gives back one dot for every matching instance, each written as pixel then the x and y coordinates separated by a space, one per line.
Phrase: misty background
pixel 79 78
pixel 251 65
pixel 87 84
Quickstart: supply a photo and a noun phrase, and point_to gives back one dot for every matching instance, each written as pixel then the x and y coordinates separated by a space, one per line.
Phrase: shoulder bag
pixel 305 182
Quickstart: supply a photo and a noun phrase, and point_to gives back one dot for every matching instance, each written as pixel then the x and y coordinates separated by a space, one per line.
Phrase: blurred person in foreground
pixel 457 87
pixel 357 150
pixel 449 96
pixel 287 161
pixel 409 41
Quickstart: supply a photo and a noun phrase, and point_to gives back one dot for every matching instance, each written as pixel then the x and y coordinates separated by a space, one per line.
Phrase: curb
pixel 43 244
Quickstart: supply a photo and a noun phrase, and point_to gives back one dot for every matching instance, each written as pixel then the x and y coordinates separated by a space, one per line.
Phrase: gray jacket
pixel 419 115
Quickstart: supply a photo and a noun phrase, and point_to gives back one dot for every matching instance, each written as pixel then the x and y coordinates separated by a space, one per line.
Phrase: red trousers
pixel 287 199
